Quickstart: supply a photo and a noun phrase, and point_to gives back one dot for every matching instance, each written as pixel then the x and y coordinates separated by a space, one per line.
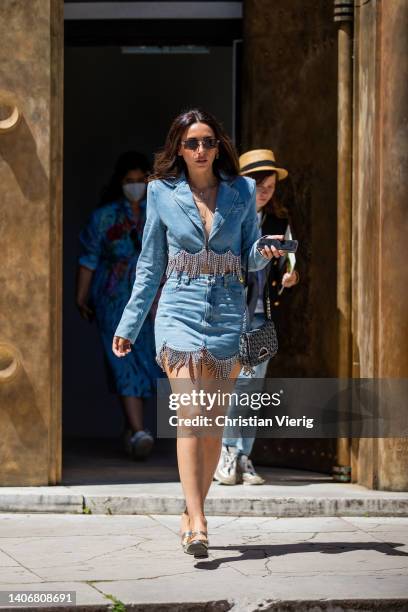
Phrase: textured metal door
pixel 31 73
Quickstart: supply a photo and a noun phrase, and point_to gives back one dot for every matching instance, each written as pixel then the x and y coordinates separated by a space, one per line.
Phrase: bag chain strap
pixel 268 297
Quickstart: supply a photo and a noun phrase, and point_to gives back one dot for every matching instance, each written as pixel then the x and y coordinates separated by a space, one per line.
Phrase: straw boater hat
pixel 260 159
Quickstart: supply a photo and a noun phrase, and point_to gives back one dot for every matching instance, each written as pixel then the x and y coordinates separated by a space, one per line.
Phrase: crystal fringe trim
pixel 220 368
pixel 195 263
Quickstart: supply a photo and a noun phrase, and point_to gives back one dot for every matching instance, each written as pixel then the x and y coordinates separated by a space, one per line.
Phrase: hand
pixel 85 312
pixel 290 278
pixel 121 346
pixel 272 251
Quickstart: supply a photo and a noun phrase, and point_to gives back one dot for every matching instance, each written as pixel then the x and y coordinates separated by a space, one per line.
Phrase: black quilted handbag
pixel 257 345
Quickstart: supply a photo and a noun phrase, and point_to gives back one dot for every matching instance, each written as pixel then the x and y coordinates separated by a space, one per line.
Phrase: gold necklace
pixel 204 217
pixel 203 194
pixel 201 204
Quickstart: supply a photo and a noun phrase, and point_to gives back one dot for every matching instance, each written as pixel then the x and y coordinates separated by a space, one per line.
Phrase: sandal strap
pixel 205 533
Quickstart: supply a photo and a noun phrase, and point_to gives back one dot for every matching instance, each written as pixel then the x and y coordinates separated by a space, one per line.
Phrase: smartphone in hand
pixel 289 246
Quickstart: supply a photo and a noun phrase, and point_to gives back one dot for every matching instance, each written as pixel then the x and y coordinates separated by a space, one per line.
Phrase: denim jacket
pixel 174 234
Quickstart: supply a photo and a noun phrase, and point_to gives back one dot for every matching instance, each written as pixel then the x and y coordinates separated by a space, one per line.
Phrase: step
pixel 289 499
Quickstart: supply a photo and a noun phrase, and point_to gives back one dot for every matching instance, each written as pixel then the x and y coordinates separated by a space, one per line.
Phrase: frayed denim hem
pixel 220 368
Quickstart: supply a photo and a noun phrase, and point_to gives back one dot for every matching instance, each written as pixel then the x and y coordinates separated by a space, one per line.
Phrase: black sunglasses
pixel 194 143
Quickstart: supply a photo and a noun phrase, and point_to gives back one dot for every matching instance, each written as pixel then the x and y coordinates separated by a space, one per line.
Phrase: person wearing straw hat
pixel 234 465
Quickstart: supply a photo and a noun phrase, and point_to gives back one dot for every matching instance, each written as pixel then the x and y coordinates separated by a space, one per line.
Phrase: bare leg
pixel 133 408
pixel 189 452
pixel 197 455
pixel 212 444
pixel 190 463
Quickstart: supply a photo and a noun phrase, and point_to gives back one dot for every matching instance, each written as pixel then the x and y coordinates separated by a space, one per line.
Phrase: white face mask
pixel 134 191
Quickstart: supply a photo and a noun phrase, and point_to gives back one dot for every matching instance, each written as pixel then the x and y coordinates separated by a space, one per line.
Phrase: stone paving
pixel 254 563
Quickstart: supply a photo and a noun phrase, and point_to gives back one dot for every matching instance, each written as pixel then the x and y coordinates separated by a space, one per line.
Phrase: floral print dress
pixel 110 246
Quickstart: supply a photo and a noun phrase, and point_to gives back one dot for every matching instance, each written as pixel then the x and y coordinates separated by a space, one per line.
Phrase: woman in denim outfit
pixel 201 230
pixel 234 465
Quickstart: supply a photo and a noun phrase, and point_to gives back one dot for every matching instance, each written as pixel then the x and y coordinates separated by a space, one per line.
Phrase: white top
pixel 261 275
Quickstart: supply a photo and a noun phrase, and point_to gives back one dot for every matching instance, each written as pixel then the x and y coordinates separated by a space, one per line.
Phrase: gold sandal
pixel 185 535
pixel 197 547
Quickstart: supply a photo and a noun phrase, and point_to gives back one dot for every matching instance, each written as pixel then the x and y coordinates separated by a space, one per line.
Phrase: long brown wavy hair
pixel 275 206
pixel 168 164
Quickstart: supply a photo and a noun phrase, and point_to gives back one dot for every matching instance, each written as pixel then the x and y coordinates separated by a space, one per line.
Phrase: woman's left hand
pixel 121 346
pixel 290 278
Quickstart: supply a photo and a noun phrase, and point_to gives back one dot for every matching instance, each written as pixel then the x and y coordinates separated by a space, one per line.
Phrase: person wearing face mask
pixel 111 243
pixel 234 465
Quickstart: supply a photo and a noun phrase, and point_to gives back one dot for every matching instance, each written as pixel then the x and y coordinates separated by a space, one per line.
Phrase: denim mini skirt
pixel 200 317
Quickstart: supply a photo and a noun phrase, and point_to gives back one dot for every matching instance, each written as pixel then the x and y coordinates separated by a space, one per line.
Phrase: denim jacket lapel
pixel 226 198
pixel 184 198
